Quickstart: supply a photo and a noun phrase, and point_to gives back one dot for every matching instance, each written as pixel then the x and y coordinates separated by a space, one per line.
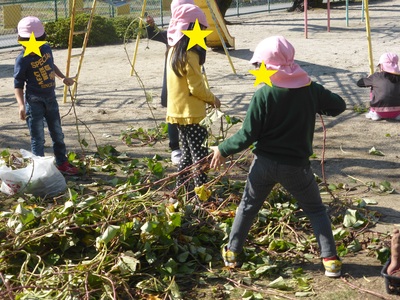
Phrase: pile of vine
pixel 117 232
pixel 123 238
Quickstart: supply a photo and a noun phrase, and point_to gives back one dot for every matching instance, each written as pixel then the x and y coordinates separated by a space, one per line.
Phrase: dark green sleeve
pixel 250 130
pixel 329 103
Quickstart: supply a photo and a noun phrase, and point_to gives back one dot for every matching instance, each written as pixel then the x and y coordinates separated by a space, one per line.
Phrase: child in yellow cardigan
pixel 188 95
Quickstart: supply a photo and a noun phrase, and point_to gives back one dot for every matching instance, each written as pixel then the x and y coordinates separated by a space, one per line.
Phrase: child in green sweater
pixel 280 124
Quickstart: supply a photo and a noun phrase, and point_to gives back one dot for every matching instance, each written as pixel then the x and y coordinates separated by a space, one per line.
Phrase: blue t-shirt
pixel 36 72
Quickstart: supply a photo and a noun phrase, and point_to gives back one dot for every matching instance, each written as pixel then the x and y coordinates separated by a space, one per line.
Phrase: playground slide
pixel 213 40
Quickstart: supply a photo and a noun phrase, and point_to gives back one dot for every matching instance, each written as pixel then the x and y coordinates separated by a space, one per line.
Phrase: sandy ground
pixel 110 100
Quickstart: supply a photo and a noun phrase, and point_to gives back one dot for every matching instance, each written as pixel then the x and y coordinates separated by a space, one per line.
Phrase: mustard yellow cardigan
pixel 187 95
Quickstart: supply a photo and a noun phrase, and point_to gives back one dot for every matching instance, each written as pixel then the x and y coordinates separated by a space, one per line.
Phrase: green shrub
pixel 57 33
pixel 125 27
pixel 101 33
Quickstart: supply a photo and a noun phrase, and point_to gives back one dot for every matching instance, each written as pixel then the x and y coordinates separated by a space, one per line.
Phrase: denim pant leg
pixel 35 111
pixel 52 116
pixel 300 182
pixel 173 135
pixel 258 186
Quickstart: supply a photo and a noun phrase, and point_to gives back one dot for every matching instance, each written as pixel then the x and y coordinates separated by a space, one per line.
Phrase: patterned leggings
pixel 191 138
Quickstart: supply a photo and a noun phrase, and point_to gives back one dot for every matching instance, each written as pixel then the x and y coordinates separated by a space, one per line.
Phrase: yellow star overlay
pixel 196 36
pixel 32 45
pixel 263 75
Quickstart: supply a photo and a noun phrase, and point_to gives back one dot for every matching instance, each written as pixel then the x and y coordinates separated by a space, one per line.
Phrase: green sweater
pixel 280 122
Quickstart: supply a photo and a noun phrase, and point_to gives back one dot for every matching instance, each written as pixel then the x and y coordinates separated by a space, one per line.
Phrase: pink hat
pixel 181 17
pixel 176 3
pixel 389 63
pixel 278 54
pixel 28 25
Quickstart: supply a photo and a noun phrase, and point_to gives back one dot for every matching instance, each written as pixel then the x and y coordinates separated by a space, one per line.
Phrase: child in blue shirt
pixel 37 75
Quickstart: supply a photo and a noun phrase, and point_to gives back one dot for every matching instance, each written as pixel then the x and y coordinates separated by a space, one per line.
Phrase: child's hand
pixel 22 113
pixel 150 20
pixel 68 81
pixel 217 103
pixel 217 159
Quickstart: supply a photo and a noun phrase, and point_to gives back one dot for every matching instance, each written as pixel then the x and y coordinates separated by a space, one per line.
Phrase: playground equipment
pixel 365 12
pixel 219 37
pixel 81 54
pixel 216 23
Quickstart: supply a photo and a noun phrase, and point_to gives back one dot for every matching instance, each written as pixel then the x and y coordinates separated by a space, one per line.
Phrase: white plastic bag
pixel 40 178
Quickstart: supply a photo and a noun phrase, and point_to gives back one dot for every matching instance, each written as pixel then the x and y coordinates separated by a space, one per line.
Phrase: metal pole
pixel 362 11
pixel 305 19
pixel 55 9
pixel 138 36
pixel 368 31
pixel 328 7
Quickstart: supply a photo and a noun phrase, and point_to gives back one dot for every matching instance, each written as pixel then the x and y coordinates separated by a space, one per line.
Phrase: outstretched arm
pixel 154 33
pixel 217 159
pixel 66 80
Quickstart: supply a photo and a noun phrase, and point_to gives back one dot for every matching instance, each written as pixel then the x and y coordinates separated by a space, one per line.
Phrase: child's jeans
pixel 299 181
pixel 37 109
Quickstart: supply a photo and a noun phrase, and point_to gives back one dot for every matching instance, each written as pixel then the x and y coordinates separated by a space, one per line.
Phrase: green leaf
pixel 373 151
pixel 385 186
pixel 84 143
pixel 107 236
pixel 352 219
pixel 280 284
pixel 354 246
pixel 265 269
pixel 175 219
pixel 183 256
pixel 127 263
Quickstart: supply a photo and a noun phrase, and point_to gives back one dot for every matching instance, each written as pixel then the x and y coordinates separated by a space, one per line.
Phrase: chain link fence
pixel 11 11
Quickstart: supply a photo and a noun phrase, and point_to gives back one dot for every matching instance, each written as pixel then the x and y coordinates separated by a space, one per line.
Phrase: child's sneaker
pixel 230 258
pixel 373 116
pixel 67 169
pixel 333 266
pixel 176 157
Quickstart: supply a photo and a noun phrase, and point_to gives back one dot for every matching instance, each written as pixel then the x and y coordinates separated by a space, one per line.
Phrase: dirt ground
pixel 110 100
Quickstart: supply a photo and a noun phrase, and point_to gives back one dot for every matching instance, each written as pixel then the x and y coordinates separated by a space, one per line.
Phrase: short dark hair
pixel 40 38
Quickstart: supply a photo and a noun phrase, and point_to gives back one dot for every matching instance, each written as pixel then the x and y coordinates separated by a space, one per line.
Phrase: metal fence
pixel 11 11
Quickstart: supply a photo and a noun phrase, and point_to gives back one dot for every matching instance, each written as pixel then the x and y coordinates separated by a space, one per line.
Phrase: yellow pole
pixel 220 36
pixel 70 40
pixel 368 31
pixel 138 36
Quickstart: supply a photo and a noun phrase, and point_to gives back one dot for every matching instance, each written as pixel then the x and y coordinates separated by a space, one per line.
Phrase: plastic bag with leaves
pixel 40 177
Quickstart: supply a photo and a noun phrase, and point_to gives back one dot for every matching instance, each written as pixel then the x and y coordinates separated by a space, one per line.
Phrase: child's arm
pixel 19 95
pixel 66 80
pixel 154 33
pixel 365 81
pixel 196 84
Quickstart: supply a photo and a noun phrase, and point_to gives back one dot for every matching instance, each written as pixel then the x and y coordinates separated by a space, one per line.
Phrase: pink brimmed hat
pixel 278 54
pixel 28 25
pixel 176 3
pixel 181 17
pixel 389 62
